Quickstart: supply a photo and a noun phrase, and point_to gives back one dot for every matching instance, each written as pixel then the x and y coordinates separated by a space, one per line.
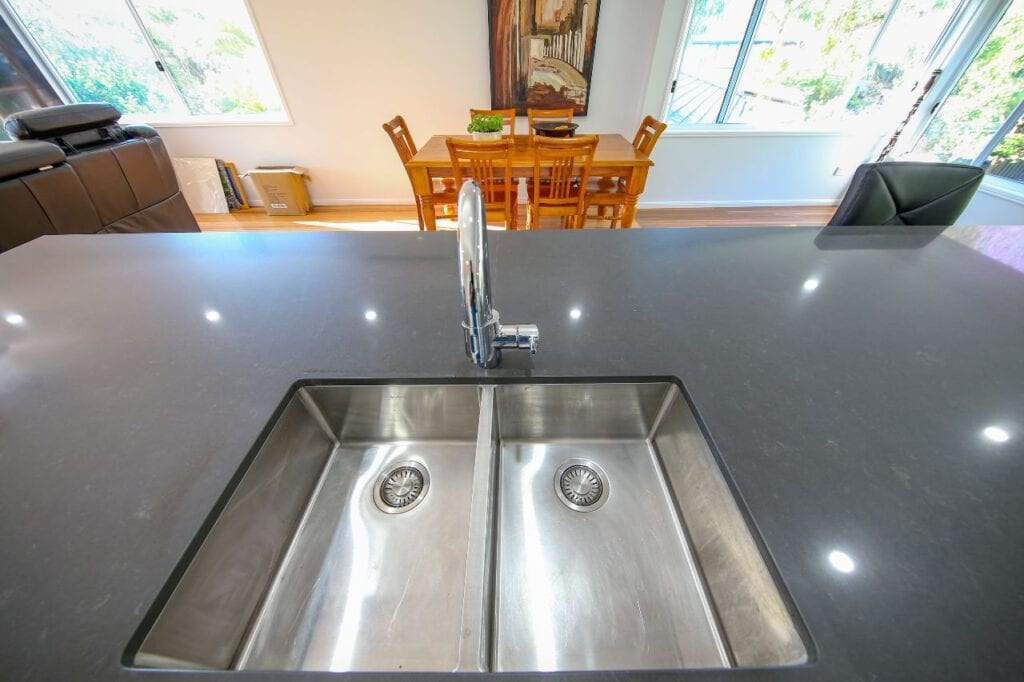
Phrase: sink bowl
pixel 477 527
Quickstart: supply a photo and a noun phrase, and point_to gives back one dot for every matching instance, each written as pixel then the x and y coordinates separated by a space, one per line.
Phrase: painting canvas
pixel 542 53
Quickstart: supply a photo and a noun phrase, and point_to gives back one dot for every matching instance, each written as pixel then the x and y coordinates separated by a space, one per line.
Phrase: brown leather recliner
pixel 73 169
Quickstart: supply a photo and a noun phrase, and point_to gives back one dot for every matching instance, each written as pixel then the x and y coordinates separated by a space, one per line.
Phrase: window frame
pixel 282 118
pixel 944 45
pixel 971 37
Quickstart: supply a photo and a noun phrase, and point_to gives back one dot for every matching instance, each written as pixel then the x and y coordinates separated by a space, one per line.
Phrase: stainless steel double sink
pixel 478 527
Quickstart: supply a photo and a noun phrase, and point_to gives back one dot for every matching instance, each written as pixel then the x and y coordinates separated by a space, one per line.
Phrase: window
pixel 791 62
pixel 164 60
pixel 22 85
pixel 980 121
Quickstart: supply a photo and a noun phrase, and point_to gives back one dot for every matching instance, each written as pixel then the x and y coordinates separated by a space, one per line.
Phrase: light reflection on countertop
pixel 1003 243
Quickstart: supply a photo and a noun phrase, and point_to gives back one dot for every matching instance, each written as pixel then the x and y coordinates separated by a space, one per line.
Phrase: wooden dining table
pixel 615 157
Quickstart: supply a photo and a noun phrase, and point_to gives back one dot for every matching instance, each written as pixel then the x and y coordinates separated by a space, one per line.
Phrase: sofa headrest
pixel 27 156
pixel 140 131
pixel 60 120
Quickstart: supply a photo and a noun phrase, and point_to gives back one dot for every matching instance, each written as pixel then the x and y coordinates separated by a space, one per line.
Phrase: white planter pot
pixel 496 135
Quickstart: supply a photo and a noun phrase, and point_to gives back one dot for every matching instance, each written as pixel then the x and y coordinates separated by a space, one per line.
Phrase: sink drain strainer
pixel 581 485
pixel 401 487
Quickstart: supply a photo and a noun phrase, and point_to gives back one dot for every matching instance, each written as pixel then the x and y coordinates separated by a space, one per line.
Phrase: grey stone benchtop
pixel 848 383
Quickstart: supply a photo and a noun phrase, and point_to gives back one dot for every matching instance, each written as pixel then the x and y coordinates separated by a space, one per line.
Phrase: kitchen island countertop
pixel 851 385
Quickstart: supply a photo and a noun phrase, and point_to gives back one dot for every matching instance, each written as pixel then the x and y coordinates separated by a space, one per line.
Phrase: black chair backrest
pixel 908 193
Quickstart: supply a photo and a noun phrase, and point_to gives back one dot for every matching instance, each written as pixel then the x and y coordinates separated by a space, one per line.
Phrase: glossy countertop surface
pixel 866 394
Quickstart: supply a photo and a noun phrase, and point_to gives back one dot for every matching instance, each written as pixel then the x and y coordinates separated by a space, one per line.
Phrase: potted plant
pixel 486 127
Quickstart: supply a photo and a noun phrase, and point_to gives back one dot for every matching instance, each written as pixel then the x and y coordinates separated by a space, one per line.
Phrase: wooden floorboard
pixel 400 217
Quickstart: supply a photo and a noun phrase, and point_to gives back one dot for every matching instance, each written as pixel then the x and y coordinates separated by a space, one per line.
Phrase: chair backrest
pixel 537 115
pixel 648 134
pixel 563 166
pixel 489 163
pixel 400 136
pixel 908 193
pixel 508 117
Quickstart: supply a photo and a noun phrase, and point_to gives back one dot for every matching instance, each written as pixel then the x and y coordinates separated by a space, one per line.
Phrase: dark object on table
pixel 556 128
pixel 908 193
pixel 75 170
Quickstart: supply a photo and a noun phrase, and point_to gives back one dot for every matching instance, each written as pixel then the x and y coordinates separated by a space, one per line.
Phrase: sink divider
pixel 477 614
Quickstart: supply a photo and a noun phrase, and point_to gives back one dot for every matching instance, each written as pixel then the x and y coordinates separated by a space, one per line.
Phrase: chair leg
pixel 419 214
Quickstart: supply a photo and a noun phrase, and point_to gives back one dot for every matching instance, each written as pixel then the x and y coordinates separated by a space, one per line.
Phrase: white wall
pixel 765 169
pixel 992 207
pixel 346 66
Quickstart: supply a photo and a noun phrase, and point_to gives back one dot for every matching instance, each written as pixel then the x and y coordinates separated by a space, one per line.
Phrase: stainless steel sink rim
pixel 588 473
pixel 401 487
pixel 355 587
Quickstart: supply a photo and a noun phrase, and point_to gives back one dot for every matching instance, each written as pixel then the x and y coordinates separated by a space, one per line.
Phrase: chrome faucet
pixel 485 335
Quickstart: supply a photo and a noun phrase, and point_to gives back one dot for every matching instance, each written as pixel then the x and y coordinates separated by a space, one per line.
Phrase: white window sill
pixel 208 121
pixel 1003 188
pixel 740 130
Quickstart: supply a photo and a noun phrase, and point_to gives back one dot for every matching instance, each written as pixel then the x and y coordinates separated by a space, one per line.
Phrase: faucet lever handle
pixel 519 336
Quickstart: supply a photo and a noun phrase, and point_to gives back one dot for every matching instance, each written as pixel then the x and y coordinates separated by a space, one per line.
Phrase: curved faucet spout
pixel 485 335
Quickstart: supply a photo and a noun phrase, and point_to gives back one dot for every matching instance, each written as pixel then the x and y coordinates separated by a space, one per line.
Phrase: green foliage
pixel 703 11
pixel 232 41
pixel 985 95
pixel 163 16
pixel 486 124
pixel 95 73
pixel 210 58
pixel 1011 149
pixel 881 79
pixel 822 88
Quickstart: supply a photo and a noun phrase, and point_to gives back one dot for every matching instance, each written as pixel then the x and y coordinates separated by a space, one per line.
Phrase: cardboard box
pixel 282 188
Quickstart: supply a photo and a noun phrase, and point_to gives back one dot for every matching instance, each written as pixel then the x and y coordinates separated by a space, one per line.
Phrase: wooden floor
pixel 390 218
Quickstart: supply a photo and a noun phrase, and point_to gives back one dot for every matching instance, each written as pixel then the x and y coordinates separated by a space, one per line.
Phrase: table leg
pixel 424 189
pixel 635 187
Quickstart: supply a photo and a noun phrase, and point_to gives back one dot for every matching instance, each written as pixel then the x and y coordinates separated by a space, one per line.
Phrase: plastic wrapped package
pixel 200 182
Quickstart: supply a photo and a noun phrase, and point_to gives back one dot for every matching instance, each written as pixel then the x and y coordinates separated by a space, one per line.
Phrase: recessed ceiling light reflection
pixel 996 434
pixel 575 313
pixel 811 284
pixel 14 319
pixel 212 316
pixel 370 315
pixel 841 561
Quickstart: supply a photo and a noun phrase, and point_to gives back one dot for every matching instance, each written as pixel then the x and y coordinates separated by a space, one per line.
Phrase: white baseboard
pixel 734 203
pixel 723 203
pixel 393 201
pixel 402 201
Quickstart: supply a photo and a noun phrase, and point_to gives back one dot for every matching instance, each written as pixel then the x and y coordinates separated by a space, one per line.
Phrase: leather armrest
pixel 27 156
pixel 140 131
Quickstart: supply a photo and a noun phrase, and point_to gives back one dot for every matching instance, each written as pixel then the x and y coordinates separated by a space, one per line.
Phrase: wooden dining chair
pixel 489 163
pixel 608 195
pixel 538 115
pixel 561 168
pixel 508 117
pixel 445 196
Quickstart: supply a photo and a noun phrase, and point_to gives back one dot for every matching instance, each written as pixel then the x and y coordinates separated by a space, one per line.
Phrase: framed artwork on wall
pixel 542 53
